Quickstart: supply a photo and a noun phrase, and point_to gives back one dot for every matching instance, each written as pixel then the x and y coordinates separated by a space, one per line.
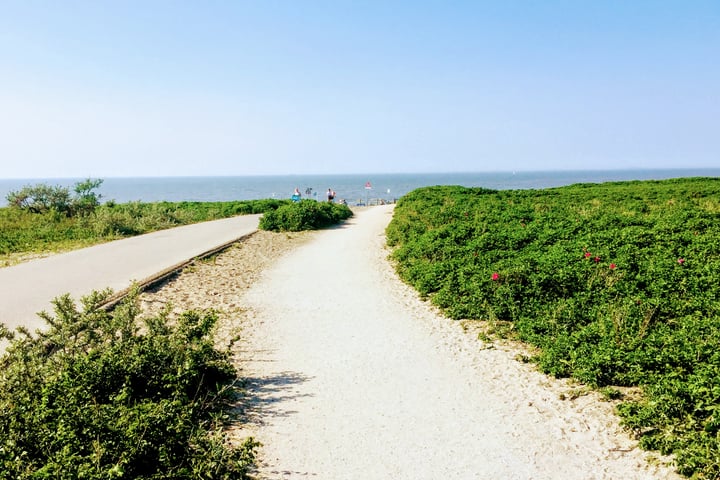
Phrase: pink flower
pixel 495 277
pixel 587 254
pixel 613 266
pixel 681 261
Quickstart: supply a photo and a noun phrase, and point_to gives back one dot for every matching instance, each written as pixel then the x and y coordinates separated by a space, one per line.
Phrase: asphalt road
pixel 28 288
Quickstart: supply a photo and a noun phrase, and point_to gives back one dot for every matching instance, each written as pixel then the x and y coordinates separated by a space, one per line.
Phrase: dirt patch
pixel 219 282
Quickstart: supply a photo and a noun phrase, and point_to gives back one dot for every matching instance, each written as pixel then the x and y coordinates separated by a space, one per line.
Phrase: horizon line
pixel 458 172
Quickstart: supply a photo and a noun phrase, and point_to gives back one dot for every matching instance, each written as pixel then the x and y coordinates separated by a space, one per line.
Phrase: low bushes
pixel 617 284
pixel 22 231
pixel 94 397
pixel 304 215
pixel 135 218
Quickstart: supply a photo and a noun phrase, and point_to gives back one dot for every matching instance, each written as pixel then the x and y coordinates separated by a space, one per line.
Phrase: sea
pixel 355 189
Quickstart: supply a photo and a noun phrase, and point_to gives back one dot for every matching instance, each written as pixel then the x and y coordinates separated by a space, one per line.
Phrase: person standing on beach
pixel 330 195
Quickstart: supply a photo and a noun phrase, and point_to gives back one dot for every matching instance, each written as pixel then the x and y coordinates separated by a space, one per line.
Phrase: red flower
pixel 612 266
pixel 597 259
pixel 587 254
pixel 495 277
pixel 681 261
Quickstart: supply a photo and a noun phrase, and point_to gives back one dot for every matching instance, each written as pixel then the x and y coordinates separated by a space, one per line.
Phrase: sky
pixel 102 88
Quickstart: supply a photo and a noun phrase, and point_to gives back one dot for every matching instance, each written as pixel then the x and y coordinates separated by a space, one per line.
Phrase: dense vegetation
pixel 304 215
pixel 617 284
pixel 96 397
pixel 23 231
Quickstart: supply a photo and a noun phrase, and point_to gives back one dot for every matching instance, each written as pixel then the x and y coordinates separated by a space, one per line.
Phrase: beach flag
pixel 368 186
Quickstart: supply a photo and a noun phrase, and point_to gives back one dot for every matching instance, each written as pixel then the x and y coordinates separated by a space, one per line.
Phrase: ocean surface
pixel 352 188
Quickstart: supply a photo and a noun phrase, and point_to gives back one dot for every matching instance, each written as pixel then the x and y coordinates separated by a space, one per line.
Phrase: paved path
pixel 28 288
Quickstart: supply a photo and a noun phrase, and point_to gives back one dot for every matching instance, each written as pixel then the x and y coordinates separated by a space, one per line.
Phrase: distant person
pixel 330 195
pixel 308 192
pixel 296 195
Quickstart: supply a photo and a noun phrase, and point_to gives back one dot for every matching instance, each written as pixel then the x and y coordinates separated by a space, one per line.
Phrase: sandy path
pixel 353 377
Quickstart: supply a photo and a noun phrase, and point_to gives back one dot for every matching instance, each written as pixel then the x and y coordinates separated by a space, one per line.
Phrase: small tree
pixel 86 199
pixel 42 198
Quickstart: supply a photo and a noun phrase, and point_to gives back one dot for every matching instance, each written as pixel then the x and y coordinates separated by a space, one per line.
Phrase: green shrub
pixel 40 198
pixel 304 215
pixel 44 198
pixel 96 397
pixel 86 199
pixel 616 283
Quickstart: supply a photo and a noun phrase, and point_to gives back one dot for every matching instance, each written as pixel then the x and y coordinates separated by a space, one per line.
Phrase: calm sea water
pixel 348 187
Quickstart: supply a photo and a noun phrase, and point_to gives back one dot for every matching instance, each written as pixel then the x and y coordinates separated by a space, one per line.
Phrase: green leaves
pixel 304 215
pixel 93 397
pixel 44 198
pixel 616 283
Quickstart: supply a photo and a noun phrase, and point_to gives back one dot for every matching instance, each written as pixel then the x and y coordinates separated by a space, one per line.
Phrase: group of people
pixel 296 196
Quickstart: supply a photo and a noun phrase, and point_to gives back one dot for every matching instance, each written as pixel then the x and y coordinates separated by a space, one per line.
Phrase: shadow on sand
pixel 269 397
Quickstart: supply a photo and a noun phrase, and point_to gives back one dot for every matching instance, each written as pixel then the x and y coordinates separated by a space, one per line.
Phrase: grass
pixel 25 235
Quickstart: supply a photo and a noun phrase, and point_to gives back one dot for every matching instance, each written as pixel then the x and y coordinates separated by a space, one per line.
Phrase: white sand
pixel 353 377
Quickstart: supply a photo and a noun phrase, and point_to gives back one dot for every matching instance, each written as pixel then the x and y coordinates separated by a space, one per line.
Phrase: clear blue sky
pixel 144 88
